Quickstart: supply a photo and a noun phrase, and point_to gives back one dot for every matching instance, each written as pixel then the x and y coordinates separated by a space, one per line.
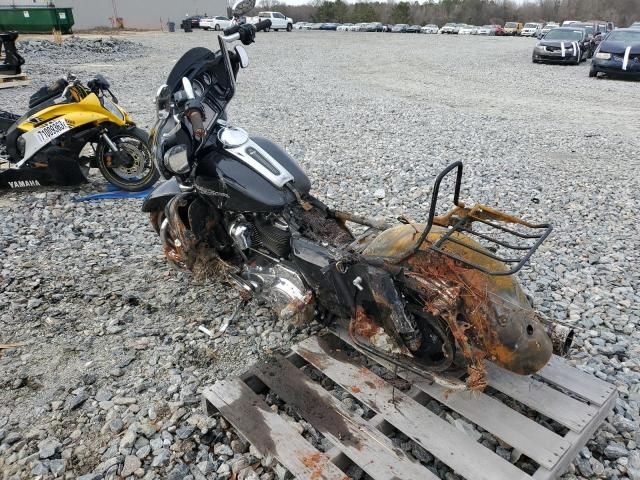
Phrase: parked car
pixel 567 23
pixel 191 22
pixel 618 54
pixel 328 26
pixel 451 28
pixel 413 29
pixel 548 27
pixel 604 26
pixel 214 23
pixel 387 27
pixel 359 27
pixel 487 30
pixel 512 28
pixel 315 26
pixel 430 28
pixel 344 27
pixel 299 25
pixel 531 29
pixel 563 45
pixel 374 27
pixel 635 25
pixel 466 30
pixel 278 20
pixel 400 28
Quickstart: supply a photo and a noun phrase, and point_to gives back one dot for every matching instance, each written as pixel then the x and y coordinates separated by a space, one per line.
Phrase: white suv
pixel 278 20
pixel 531 29
pixel 215 23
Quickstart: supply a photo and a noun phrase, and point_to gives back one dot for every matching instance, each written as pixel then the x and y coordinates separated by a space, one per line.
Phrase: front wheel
pixel 289 27
pixel 131 168
pixel 593 72
pixel 217 27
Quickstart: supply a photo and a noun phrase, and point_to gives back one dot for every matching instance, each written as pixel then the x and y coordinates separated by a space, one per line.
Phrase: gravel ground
pixel 108 380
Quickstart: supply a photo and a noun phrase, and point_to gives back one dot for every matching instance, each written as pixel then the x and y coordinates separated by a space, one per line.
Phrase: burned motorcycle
pixel 426 297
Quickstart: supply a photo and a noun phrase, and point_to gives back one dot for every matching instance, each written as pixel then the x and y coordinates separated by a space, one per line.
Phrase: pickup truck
pixel 278 20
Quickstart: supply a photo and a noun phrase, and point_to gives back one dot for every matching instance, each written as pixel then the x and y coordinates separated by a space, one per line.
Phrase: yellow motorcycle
pixel 69 128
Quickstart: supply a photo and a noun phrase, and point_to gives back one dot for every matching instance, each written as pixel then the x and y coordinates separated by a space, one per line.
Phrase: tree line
pixel 473 12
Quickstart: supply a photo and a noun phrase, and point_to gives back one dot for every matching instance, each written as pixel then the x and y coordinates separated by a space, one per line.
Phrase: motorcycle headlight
pixel 176 159
pixel 113 108
pixel 603 56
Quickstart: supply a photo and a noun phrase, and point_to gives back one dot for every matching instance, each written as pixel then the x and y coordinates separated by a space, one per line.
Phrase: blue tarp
pixel 113 193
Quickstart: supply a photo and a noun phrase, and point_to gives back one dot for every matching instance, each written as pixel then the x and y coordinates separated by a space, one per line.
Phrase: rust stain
pixel 299 311
pixel 314 462
pixel 362 325
pixel 355 389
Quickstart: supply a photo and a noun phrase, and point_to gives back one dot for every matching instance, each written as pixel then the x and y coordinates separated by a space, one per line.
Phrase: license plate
pixel 51 130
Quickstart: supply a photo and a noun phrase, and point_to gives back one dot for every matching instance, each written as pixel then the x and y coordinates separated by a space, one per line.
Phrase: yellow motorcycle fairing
pixel 88 110
pixel 495 315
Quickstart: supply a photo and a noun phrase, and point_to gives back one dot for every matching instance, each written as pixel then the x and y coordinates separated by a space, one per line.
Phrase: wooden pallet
pixel 10 81
pixel 577 401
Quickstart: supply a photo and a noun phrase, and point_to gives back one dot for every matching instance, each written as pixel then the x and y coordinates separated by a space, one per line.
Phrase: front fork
pixel 114 157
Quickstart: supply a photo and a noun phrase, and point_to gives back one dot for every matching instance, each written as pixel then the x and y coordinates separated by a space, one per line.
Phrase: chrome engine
pixel 283 289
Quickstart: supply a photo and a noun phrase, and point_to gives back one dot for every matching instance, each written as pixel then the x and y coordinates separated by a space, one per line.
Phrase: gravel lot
pixel 112 367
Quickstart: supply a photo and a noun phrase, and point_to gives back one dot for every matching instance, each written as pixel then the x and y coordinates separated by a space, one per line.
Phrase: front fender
pixel 496 311
pixel 160 196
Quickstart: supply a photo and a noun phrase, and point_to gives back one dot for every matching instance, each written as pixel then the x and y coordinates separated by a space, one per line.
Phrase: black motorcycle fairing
pixel 301 181
pixel 161 195
pixel 244 189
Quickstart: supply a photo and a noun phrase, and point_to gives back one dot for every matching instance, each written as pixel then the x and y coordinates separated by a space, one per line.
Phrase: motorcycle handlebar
pixel 231 30
pixel 263 25
pixel 260 26
pixel 195 118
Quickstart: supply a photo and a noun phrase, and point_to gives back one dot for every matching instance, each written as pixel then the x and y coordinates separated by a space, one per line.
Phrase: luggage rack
pixel 502 232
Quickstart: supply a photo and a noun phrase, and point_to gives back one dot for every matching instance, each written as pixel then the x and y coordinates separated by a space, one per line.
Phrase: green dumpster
pixel 36 19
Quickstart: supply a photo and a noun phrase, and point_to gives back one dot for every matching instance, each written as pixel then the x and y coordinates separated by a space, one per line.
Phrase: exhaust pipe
pixel 561 336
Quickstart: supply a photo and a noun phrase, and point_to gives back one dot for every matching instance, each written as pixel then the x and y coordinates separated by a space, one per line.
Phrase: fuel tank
pixel 255 179
pixel 495 311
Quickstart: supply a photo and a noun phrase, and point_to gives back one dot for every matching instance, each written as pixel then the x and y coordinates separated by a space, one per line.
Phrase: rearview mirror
pixel 163 101
pixel 242 6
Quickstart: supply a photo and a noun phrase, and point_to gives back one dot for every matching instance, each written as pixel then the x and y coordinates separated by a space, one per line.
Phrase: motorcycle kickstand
pixel 234 316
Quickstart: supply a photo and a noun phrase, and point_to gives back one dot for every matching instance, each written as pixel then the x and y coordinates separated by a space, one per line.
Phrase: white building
pixel 136 13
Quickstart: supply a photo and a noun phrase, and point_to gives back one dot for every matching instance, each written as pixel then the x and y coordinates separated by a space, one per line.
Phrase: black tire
pixel 275 29
pixel 593 73
pixel 289 27
pixel 133 141
pixel 217 28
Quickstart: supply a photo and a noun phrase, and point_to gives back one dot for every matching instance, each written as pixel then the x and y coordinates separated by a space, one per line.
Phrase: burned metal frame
pixel 459 221
pixel 476 214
